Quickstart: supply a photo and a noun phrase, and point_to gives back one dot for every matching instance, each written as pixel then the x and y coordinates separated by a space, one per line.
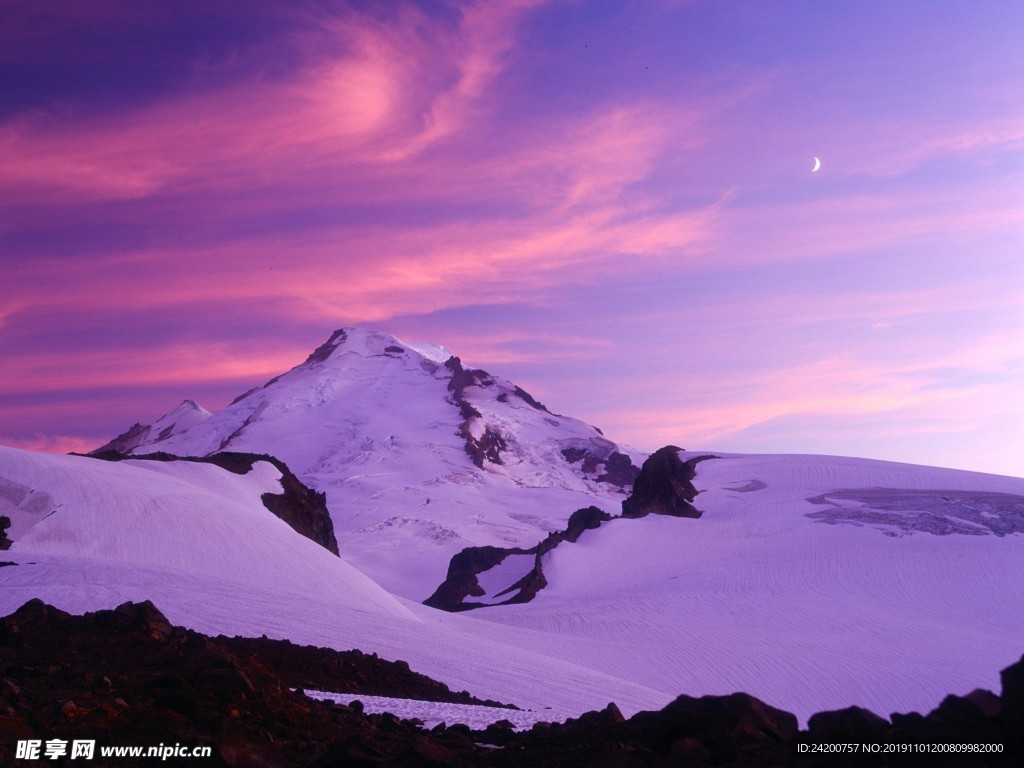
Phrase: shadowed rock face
pixel 462 582
pixel 664 486
pixel 133 678
pixel 325 350
pixel 619 470
pixel 304 509
pixel 489 445
pixel 127 440
pixel 618 467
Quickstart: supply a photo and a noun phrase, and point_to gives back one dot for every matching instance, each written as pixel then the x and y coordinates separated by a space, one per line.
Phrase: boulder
pixel 664 486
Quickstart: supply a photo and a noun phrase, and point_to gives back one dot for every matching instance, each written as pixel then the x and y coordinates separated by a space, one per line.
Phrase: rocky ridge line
pixel 663 487
pixel 301 507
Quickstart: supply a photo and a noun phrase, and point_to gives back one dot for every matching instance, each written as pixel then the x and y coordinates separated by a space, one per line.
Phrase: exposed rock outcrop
pixel 465 567
pixel 615 468
pixel 664 486
pixel 182 418
pixel 483 442
pixel 325 350
pixel 461 581
pixel 619 470
pixel 304 509
pixel 134 436
pixel 133 678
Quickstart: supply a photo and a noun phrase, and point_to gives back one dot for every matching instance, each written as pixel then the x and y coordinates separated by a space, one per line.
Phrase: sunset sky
pixel 610 203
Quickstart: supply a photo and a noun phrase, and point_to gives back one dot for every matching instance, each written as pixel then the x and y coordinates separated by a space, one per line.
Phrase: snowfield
pixel 759 596
pixel 811 582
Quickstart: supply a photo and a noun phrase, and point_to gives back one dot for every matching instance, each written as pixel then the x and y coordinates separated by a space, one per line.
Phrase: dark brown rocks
pixel 461 582
pixel 847 725
pixel 128 676
pixel 619 470
pixel 584 519
pixel 325 350
pixel 664 486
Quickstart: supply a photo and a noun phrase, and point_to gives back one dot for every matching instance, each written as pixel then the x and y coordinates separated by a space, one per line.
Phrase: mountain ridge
pixel 380 425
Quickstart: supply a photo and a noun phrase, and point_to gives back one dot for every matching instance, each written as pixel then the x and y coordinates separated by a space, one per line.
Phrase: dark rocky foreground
pixel 127 677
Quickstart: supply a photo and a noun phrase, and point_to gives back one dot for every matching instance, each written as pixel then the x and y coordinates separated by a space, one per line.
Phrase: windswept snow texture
pixel 189 519
pixel 755 596
pixel 372 422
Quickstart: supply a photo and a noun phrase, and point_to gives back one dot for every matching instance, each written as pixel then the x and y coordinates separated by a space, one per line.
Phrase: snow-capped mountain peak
pixel 387 428
pixel 182 418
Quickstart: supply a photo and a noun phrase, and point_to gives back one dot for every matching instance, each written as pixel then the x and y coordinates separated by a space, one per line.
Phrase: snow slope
pixel 760 596
pixel 196 541
pixel 757 595
pixel 191 519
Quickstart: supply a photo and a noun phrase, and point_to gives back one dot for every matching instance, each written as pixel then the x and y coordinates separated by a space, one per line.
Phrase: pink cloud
pixel 902 386
pixel 38 372
pixel 374 92
pixel 51 443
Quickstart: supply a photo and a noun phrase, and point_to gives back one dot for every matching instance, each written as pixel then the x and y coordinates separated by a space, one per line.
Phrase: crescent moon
pixel 817 165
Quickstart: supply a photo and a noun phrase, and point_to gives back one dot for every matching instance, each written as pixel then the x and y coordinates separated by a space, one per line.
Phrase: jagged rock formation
pixel 5 523
pixel 304 509
pixel 133 678
pixel 465 568
pixel 619 469
pixel 483 442
pixel 664 486
pixel 461 581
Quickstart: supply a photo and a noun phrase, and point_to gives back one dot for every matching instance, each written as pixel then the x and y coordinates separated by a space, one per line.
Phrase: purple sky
pixel 610 203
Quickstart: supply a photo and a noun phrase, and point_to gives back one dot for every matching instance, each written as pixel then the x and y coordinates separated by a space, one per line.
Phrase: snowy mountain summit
pixel 414 449
pixel 185 416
